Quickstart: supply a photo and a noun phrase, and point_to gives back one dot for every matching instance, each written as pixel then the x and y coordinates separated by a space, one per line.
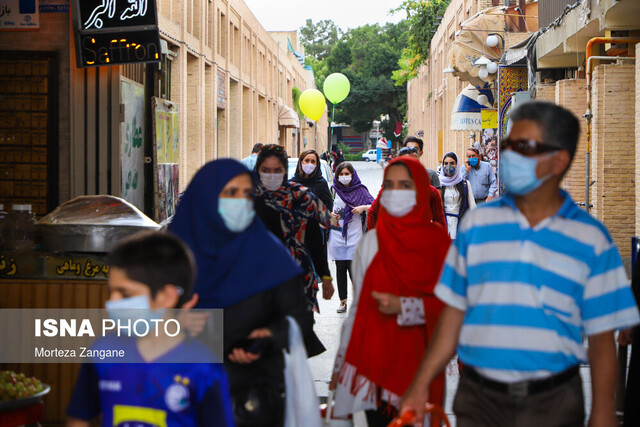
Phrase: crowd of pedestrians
pixel 512 286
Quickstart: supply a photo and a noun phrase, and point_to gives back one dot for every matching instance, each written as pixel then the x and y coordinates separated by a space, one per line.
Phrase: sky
pixel 286 15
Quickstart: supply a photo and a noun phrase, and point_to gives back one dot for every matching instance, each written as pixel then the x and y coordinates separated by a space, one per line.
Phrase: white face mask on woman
pixel 398 202
pixel 345 179
pixel 272 181
pixel 237 214
pixel 308 168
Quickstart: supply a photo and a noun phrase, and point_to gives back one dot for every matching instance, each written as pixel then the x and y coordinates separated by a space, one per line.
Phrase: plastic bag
pixel 301 407
pixel 328 420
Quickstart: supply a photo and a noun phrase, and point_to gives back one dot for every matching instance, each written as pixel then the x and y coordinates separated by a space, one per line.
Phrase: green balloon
pixel 336 87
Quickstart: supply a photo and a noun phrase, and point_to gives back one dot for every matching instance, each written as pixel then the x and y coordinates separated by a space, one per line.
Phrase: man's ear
pixel 168 296
pixel 561 162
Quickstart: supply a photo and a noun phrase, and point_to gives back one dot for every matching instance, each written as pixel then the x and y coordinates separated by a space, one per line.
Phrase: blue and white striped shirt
pixel 532 294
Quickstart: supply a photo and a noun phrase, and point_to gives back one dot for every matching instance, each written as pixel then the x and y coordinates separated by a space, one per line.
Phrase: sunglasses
pixel 407 150
pixel 527 147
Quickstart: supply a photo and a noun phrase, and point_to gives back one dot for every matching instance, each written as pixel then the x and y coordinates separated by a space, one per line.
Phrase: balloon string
pixel 333 115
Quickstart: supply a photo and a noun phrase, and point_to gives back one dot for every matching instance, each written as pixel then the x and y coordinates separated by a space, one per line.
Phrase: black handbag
pixel 258 404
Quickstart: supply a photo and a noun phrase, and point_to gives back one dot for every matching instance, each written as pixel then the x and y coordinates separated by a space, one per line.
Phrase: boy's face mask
pixel 132 309
pixel 137 306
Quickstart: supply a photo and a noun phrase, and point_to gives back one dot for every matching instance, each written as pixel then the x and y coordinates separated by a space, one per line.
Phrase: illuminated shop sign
pixel 112 32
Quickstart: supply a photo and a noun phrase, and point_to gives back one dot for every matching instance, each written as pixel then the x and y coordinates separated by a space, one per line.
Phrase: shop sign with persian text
pixel 112 32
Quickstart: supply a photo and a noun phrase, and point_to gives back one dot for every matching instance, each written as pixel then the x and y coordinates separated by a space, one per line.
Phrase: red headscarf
pixel 411 253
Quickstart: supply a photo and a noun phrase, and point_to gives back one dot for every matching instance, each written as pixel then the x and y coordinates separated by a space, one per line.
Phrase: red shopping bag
pixel 408 418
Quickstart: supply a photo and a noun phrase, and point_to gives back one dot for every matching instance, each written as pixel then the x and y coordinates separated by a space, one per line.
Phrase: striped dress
pixel 531 295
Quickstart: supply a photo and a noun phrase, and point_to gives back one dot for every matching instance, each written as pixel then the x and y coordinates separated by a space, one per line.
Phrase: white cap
pixel 21 208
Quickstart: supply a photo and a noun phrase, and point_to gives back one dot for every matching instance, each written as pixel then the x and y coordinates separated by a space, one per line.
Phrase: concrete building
pixel 222 84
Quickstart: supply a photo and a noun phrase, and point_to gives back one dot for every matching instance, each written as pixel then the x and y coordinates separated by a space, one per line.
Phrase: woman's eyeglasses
pixel 527 147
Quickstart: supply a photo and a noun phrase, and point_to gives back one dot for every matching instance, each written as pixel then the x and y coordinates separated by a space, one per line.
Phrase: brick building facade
pixel 615 102
pixel 230 80
pixel 615 91
pixel 432 94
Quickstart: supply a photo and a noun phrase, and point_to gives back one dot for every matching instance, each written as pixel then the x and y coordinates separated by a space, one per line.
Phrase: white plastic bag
pixel 329 421
pixel 301 408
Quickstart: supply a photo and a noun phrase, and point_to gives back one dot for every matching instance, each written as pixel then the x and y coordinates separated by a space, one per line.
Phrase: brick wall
pixel 572 95
pixel 637 139
pixel 214 36
pixel 614 149
pixel 193 119
pixel 546 92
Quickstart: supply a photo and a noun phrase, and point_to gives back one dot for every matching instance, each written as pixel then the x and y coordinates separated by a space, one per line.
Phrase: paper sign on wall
pixel 489 119
pixel 19 15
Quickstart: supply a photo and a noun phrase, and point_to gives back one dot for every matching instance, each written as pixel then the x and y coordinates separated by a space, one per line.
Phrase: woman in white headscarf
pixel 457 195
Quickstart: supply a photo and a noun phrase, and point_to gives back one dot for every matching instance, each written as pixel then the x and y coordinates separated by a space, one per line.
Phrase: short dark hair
pixel 156 259
pixel 344 165
pixel 416 140
pixel 560 127
pixel 475 150
pixel 257 148
pixel 273 150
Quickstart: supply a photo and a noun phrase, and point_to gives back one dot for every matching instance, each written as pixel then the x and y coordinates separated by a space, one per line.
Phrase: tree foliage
pixel 367 55
pixel 295 94
pixel 422 17
pixel 318 39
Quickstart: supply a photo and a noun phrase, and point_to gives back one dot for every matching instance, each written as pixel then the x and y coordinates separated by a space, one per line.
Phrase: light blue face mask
pixel 237 214
pixel 518 172
pixel 133 308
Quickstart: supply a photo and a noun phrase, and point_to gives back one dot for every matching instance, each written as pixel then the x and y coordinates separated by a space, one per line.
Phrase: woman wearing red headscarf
pixel 395 269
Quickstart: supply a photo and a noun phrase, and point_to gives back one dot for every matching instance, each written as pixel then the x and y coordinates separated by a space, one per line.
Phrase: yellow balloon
pixel 312 103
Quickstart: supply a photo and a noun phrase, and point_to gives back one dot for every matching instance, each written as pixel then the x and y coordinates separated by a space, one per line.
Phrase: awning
pixel 466 114
pixel 470 44
pixel 517 52
pixel 288 118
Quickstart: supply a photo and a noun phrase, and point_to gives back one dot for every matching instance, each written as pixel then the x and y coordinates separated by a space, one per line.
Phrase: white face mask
pixel 398 202
pixel 131 309
pixel 345 179
pixel 308 168
pixel 272 181
pixel 237 214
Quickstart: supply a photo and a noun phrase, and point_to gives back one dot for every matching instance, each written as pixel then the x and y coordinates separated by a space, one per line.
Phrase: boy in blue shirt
pixel 152 272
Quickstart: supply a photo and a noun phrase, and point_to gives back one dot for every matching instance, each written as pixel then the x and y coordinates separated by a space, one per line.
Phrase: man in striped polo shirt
pixel 529 276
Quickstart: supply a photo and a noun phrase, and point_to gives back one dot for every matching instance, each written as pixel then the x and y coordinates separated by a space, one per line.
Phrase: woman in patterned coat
pixel 294 215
